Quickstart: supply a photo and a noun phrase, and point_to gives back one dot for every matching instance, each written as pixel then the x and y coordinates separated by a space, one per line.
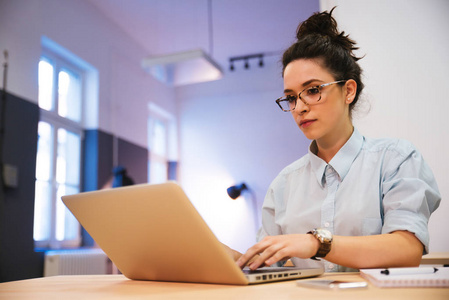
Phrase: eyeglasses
pixel 310 96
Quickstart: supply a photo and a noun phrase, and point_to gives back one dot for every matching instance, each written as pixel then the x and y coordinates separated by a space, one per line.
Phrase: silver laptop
pixel 153 232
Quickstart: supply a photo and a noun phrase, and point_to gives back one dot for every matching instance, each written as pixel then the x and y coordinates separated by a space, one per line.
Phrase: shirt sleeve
pixel 409 192
pixel 269 226
pixel 269 215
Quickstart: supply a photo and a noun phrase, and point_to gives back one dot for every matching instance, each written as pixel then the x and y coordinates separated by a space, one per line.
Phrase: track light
pixel 246 59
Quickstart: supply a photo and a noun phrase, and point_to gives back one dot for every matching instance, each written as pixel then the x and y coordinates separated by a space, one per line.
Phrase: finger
pixel 251 254
pixel 278 256
pixel 264 256
pixel 253 259
pixel 233 253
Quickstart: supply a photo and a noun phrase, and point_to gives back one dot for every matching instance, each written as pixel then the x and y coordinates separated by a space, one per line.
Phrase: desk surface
pixel 436 258
pixel 87 287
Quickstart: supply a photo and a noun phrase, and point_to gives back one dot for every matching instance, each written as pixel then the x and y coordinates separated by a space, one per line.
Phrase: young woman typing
pixel 352 202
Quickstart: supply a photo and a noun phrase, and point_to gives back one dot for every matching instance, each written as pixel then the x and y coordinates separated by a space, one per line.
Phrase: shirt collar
pixel 341 162
pixel 318 165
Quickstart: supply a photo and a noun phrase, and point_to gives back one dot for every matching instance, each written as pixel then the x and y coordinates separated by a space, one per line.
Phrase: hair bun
pixel 320 40
pixel 319 23
pixel 323 25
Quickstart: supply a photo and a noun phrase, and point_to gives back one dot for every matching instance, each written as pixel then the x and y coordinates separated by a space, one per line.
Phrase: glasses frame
pixel 319 87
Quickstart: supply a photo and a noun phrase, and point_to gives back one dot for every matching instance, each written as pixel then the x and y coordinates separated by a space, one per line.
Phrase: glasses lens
pixel 287 103
pixel 311 95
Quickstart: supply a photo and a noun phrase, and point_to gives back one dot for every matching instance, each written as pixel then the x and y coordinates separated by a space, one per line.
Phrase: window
pixel 58 162
pixel 158 151
pixel 162 145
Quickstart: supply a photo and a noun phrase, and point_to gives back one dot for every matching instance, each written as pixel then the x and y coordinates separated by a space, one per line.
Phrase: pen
pixel 409 271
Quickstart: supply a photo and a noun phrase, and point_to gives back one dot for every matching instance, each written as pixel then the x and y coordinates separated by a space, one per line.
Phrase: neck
pixel 329 145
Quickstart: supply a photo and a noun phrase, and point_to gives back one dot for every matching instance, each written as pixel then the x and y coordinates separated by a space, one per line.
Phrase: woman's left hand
pixel 277 248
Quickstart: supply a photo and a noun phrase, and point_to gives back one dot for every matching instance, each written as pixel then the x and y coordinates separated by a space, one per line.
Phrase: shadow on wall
pixel 18 260
pixel 119 178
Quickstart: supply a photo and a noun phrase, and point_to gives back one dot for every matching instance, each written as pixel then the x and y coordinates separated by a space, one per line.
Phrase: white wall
pixel 124 89
pixel 406 68
pixel 232 131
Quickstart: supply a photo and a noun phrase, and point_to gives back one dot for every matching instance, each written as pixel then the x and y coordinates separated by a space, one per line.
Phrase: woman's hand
pixel 232 253
pixel 397 249
pixel 277 248
pixel 236 255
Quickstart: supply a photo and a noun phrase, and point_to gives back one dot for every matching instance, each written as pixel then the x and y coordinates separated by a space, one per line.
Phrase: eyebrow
pixel 303 85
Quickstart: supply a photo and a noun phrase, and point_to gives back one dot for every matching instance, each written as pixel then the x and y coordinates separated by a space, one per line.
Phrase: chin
pixel 309 135
pixel 313 131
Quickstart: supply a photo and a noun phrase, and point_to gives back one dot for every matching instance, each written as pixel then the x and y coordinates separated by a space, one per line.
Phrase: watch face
pixel 325 234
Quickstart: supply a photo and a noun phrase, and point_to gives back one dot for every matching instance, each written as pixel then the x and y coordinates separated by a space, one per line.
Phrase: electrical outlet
pixel 10 176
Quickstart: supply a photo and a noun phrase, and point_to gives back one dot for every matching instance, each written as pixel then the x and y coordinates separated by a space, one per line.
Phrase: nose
pixel 301 107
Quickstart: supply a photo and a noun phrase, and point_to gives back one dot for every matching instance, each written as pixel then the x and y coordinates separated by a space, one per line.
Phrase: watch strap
pixel 324 248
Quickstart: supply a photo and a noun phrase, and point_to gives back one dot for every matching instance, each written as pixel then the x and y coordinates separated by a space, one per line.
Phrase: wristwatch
pixel 324 236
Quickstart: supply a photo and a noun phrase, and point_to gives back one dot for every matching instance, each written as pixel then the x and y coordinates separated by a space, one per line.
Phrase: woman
pixel 351 202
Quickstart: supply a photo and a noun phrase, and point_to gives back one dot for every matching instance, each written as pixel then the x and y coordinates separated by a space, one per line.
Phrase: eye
pixel 290 98
pixel 312 91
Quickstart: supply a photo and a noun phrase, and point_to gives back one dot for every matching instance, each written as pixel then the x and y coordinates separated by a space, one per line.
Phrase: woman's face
pixel 328 119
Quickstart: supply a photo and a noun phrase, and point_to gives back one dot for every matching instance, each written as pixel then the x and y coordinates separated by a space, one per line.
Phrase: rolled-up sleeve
pixel 409 192
pixel 269 226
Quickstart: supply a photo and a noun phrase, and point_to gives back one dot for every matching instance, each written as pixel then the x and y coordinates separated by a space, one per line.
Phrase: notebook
pixel 153 232
pixel 437 279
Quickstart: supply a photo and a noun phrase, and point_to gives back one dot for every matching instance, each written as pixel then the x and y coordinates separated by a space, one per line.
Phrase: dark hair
pixel 318 38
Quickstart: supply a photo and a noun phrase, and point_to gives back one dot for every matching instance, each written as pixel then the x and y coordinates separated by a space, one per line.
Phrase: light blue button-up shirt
pixel 371 186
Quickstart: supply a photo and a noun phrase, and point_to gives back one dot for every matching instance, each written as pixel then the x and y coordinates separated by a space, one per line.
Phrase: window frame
pixel 57 122
pixel 158 114
pixel 157 158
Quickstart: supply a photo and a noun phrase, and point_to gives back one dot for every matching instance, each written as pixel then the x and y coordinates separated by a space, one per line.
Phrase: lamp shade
pixel 235 191
pixel 183 68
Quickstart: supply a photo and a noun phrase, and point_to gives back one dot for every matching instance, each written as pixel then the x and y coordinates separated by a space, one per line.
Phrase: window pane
pixel 158 172
pixel 67 227
pixel 69 95
pixel 42 211
pixel 44 151
pixel 45 79
pixel 68 160
pixel 159 138
pixel 58 151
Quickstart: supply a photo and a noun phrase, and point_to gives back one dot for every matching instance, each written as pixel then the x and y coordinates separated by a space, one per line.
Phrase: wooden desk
pixel 87 287
pixel 436 258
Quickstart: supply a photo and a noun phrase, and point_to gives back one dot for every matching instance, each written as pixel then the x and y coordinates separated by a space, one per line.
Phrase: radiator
pixel 76 262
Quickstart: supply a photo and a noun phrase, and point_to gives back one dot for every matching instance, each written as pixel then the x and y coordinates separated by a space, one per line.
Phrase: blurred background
pixel 90 85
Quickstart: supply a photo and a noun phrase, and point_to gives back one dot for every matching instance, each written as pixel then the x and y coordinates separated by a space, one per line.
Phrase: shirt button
pixel 331 266
pixel 326 224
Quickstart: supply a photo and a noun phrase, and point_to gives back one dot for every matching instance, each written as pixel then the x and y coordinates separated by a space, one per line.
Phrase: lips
pixel 306 122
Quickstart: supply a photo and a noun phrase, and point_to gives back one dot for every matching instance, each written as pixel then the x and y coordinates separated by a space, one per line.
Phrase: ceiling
pixel 222 28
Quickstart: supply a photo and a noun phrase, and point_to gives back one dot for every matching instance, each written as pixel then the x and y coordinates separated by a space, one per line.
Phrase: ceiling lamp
pixel 183 68
pixel 187 67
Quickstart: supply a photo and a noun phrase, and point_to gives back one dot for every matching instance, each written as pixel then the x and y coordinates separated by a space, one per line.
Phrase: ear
pixel 351 90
